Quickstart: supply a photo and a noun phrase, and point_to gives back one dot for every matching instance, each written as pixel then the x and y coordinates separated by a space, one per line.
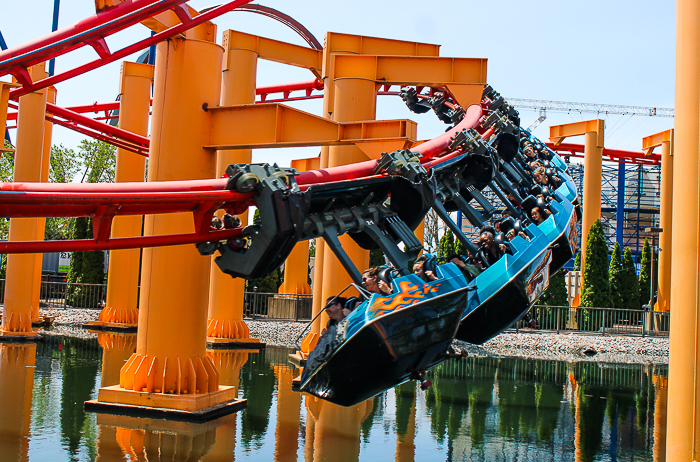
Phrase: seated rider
pixel 539 215
pixel 372 283
pixel 468 270
pixel 490 250
pixel 419 270
pixel 334 310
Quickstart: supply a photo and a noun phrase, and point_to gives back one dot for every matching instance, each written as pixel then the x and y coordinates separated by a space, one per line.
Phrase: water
pixel 477 409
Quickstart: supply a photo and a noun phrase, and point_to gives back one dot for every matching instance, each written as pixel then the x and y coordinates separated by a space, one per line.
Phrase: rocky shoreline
pixel 534 345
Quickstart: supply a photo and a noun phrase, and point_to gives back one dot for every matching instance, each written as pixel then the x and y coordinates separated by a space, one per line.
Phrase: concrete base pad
pixel 6 336
pixel 217 343
pixel 111 326
pixel 197 407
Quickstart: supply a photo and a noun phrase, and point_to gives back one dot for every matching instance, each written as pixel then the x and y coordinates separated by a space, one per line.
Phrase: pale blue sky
pixel 610 52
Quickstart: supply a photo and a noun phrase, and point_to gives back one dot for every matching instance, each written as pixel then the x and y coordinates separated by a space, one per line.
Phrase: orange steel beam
pixel 652 141
pixel 557 133
pixel 276 125
pixel 5 88
pixel 337 43
pixel 463 77
pixel 665 140
pixel 594 131
pixel 274 50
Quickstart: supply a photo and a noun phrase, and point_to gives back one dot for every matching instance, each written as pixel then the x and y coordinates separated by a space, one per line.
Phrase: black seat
pixel 507 224
pixel 351 303
pixel 386 276
pixel 430 264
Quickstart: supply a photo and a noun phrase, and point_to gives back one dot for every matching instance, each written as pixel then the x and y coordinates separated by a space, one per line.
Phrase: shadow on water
pixel 482 409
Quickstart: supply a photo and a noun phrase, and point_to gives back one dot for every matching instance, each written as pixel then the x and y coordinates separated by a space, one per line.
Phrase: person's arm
pixel 384 288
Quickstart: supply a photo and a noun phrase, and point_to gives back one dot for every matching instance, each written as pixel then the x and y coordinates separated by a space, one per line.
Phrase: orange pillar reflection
pixel 405 445
pixel 21 268
pixel 288 406
pixel 225 315
pixel 116 350
pixel 123 277
pixel 229 364
pixel 336 433
pixel 660 416
pixel 16 384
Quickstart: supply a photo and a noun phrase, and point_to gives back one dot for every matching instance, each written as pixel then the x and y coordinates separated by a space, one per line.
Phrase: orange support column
pixel 170 369
pixel 665 140
pixel 225 317
pixel 354 100
pixel 16 385
pixel 41 227
pixel 296 267
pixel 594 140
pixel 121 308
pixel 21 272
pixel 683 430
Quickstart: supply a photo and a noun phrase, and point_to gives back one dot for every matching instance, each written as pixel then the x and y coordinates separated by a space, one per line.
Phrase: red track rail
pixel 200 197
pixel 610 155
pixel 15 60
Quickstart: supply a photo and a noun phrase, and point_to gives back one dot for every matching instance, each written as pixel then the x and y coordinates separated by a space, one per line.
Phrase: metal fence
pixel 604 321
pixel 258 305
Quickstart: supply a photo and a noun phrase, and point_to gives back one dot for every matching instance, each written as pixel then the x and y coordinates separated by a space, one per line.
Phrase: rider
pixel 420 271
pixel 372 283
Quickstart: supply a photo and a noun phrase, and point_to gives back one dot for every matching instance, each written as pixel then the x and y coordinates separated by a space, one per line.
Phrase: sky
pixel 618 53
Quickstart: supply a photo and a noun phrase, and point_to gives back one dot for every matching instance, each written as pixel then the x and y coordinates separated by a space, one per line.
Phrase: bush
pixel 615 277
pixel 629 285
pixel 85 268
pixel 596 284
pixel 555 295
pixel 447 245
pixel 645 274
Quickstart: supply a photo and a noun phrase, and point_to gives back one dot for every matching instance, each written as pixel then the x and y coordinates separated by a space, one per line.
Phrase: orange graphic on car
pixel 409 294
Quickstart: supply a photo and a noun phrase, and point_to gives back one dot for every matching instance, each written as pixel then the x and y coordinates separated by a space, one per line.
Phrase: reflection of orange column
pixel 19 288
pixel 405 446
pixel 313 405
pixel 226 293
pixel 16 383
pixel 337 430
pixel 123 276
pixel 288 404
pixel 660 398
pixel 45 166
pixel 229 364
pixel 170 369
pixel 354 99
pixel 116 350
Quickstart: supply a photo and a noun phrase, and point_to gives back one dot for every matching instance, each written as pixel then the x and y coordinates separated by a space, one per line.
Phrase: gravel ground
pixel 536 345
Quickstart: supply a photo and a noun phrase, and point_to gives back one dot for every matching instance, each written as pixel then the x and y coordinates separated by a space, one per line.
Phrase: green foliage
pixel 85 268
pixel 596 285
pixel 577 261
pixel 645 274
pixel 98 161
pixel 376 258
pixel 460 248
pixel 615 277
pixel 629 286
pixel 447 245
pixel 7 162
pixel 268 284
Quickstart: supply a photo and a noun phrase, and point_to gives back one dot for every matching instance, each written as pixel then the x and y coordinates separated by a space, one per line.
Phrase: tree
pixel 460 249
pixel 85 268
pixel 447 245
pixel 645 274
pixel 430 231
pixel 615 277
pixel 64 165
pixel 596 285
pixel 376 258
pixel 577 261
pixel 629 285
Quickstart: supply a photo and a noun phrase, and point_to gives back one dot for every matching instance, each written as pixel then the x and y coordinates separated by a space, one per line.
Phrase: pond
pixel 477 409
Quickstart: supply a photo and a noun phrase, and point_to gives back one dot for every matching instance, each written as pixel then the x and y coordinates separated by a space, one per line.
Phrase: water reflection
pixel 483 409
